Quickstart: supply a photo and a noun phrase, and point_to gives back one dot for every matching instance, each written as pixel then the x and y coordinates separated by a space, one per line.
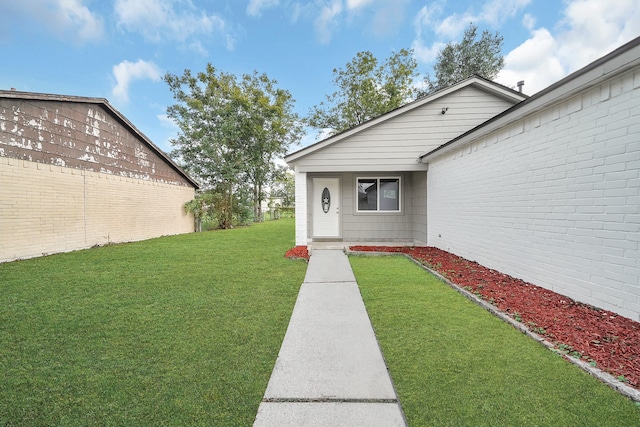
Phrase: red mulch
pixel 298 252
pixel 580 330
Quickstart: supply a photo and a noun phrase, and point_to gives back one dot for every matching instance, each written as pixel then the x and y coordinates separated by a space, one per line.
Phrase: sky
pixel 121 49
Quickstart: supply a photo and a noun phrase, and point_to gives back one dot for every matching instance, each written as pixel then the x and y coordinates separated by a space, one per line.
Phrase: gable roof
pixel 13 94
pixel 474 81
pixel 620 60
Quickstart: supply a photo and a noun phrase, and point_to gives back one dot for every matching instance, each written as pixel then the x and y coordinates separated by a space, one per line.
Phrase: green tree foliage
pixel 231 132
pixel 275 127
pixel 365 89
pixel 201 208
pixel 284 186
pixel 458 61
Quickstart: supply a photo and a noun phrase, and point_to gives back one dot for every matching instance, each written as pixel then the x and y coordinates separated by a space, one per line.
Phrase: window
pixel 378 194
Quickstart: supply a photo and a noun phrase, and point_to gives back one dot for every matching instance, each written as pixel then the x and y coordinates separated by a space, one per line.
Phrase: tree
pixel 231 132
pixel 201 208
pixel 458 61
pixel 366 90
pixel 274 128
pixel 284 186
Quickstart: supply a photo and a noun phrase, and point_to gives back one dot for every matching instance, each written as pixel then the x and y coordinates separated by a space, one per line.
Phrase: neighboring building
pixel 75 173
pixel 547 191
pixel 271 205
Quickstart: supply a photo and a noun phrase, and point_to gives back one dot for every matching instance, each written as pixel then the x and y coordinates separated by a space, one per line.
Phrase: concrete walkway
pixel 330 371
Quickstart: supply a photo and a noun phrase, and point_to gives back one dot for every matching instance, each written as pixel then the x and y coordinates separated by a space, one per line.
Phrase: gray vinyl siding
pixel 418 207
pixel 395 144
pixel 408 225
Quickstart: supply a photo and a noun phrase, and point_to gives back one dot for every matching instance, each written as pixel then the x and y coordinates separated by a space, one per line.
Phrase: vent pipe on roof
pixel 520 84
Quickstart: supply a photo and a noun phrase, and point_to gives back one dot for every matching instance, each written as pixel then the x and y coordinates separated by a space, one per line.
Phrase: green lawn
pixel 454 364
pixel 180 330
pixel 185 330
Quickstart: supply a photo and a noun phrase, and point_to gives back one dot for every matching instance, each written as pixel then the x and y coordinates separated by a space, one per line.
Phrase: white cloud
pixel 167 122
pixel 534 62
pixel 327 20
pixel 447 29
pixel 384 16
pixel 528 21
pixel 425 17
pixel 69 19
pixel 593 28
pixel 255 7
pixel 426 54
pixel 388 17
pixel 72 14
pixel 493 13
pixel 496 12
pixel 298 10
pixel 159 20
pixel 125 72
pixel 589 30
pixel 355 4
pixel 196 46
pixel 452 26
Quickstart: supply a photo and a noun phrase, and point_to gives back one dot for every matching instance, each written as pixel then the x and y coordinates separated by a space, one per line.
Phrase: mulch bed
pixel 600 337
pixel 298 252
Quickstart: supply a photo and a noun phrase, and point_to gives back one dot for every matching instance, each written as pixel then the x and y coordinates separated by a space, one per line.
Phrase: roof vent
pixel 520 84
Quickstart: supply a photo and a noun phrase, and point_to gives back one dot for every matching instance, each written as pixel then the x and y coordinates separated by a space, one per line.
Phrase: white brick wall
pixel 47 209
pixel 553 198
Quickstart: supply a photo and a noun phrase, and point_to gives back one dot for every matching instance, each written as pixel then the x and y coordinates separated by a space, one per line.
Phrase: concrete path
pixel 330 371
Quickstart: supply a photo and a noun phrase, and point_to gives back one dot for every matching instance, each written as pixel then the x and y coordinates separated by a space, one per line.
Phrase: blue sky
pixel 120 49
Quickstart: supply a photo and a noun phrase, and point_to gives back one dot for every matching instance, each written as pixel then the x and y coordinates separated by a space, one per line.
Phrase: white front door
pixel 326 207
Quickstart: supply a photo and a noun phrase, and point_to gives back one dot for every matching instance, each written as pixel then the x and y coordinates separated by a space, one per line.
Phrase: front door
pixel 326 207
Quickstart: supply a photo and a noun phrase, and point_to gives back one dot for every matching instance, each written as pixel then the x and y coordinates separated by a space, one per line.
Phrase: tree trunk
pixel 257 204
pixel 226 218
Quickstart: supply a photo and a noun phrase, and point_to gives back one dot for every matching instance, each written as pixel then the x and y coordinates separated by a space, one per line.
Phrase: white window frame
pixel 377 210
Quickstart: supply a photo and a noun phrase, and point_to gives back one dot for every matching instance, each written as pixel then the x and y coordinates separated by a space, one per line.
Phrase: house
pixel 546 190
pixel 366 184
pixel 75 173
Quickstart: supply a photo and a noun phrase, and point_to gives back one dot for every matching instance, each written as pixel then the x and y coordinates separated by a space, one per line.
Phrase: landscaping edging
pixel 601 375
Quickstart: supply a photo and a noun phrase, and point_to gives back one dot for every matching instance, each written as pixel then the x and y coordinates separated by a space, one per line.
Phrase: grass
pixel 180 330
pixel 454 364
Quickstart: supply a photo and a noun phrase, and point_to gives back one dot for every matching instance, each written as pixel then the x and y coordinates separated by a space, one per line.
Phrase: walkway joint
pixel 325 400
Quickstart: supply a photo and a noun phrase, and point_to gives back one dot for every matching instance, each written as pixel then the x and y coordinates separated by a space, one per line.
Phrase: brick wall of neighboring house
pixel 553 198
pixel 76 174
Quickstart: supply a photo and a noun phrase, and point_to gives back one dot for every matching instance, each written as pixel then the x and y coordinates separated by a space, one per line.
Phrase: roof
pixel 620 60
pixel 476 81
pixel 13 94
